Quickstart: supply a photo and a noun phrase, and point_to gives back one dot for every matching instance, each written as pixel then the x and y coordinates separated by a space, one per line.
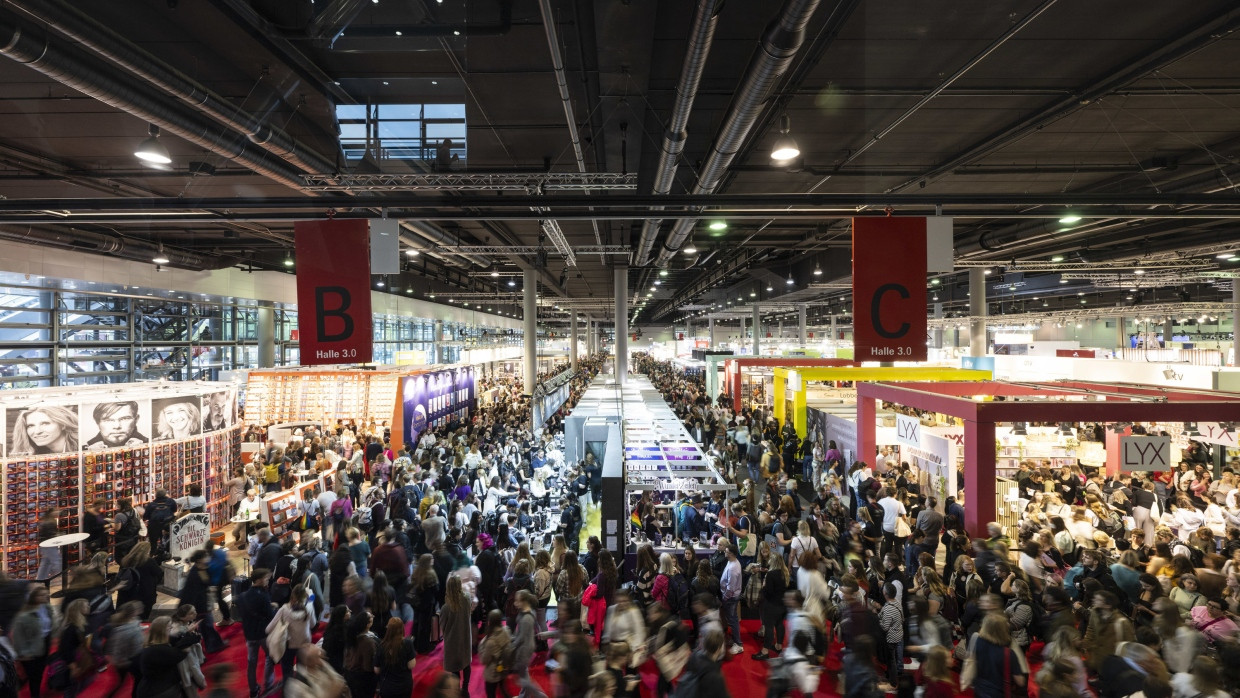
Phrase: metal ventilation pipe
pixel 30 45
pixel 438 237
pixel 701 37
pixel 108 44
pixel 780 43
pixel 102 243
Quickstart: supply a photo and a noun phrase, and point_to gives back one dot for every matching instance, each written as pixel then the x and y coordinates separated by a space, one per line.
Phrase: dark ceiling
pixel 981 105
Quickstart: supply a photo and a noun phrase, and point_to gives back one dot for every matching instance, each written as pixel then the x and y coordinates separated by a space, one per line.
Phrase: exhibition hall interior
pixel 632 348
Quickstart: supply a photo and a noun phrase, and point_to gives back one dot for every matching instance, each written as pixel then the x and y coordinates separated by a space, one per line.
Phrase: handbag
pixel 672 661
pixel 969 671
pixel 902 528
pixel 277 640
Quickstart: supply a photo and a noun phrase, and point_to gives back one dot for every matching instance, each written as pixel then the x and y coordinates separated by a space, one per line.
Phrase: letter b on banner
pixel 889 289
pixel 333 292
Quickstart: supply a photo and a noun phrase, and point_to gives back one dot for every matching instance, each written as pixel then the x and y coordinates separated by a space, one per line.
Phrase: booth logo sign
pixel 333 292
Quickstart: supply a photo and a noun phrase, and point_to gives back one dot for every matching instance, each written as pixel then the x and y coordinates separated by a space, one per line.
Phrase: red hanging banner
pixel 889 289
pixel 333 292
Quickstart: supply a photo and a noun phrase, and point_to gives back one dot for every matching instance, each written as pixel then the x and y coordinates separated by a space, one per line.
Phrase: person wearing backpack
pixel 125 526
pixel 271 475
pixel 703 677
pixel 256 611
pixel 495 653
pixel 158 514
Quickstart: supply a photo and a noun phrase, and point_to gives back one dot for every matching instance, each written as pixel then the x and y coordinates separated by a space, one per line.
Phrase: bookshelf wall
pixel 276 397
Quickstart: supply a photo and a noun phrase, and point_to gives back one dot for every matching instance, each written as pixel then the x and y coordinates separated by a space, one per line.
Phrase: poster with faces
pixel 41 429
pixel 219 410
pixel 176 417
pixel 115 424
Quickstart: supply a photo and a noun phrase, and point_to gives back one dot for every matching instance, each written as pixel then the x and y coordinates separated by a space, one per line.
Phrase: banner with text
pixel 1145 453
pixel 889 289
pixel 333 292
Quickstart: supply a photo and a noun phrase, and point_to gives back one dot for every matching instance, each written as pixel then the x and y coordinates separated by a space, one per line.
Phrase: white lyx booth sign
pixel 908 431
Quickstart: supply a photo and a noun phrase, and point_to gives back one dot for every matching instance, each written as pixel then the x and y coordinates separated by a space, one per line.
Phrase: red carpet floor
pixel 745 677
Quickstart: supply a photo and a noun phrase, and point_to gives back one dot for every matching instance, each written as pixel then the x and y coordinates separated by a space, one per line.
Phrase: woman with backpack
pixel 423 593
pixel 359 656
pixel 139 577
pixel 521 580
pixel 125 644
pixel 542 591
pixel 495 654
pixel 31 635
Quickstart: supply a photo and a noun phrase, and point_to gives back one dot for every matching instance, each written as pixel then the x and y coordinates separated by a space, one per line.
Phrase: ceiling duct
pixel 780 43
pixel 31 46
pixel 80 240
pixel 115 48
pixel 701 37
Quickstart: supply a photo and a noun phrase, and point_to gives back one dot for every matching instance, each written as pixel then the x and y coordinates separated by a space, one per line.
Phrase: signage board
pixel 1076 353
pixel 908 431
pixel 333 292
pixel 1147 453
pixel 188 533
pixel 1217 433
pixel 889 290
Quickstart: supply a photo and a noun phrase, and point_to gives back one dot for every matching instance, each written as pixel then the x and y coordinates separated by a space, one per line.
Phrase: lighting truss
pixel 1162 279
pixel 495 274
pixel 522 182
pixel 831 286
pixel 552 229
pixel 1176 310
pixel 1178 265
pixel 529 249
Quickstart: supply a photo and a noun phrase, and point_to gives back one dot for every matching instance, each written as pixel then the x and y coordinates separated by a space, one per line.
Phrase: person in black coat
pixel 488 564
pixel 269 551
pixel 194 591
pixel 256 612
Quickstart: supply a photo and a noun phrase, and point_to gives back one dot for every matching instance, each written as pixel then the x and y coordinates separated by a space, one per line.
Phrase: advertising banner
pixel 333 292
pixel 1145 453
pixel 889 289
pixel 188 533
pixel 431 399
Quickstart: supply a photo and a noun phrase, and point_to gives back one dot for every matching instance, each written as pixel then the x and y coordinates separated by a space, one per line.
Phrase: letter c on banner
pixel 876 306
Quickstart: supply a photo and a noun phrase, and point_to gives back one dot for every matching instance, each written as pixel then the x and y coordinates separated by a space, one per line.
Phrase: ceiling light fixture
pixel 288 259
pixel 769 287
pixel 790 281
pixel 1057 258
pixel 1138 271
pixel 151 150
pixel 494 273
pixel 817 269
pixel 689 247
pixel 785 147
pixel 512 282
pixel 380 284
pixel 160 257
pixel 1070 218
pixel 662 272
pixel 412 253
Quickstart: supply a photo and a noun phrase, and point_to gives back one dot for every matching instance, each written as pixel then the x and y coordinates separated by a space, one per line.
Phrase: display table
pixel 63 543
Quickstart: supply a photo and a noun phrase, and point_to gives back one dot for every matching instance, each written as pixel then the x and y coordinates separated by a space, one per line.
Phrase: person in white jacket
pixel 299 619
pixel 314 678
pixel 625 622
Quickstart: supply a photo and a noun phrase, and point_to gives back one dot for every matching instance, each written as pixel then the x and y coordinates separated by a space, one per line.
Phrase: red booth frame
pixel 732 369
pixel 1125 402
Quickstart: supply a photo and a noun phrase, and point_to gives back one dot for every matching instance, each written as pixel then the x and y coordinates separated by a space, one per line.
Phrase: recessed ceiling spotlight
pixel 718 225
pixel 1057 258
pixel 662 272
pixel 1138 271
pixel 988 272
pixel 412 253
pixel 512 282
pixel 1070 218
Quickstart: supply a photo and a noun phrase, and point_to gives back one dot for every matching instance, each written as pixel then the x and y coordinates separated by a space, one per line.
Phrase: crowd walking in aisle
pixel 462 560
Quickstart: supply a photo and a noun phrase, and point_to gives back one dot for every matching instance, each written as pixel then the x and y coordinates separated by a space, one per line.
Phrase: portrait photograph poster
pixel 176 417
pixel 113 414
pixel 41 429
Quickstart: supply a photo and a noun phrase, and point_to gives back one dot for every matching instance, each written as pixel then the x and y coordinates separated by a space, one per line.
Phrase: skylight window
pixel 429 132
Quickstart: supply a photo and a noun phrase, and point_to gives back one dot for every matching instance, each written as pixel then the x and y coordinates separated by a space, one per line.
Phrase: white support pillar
pixel 530 310
pixel 266 335
pixel 572 351
pixel 710 330
pixel 834 334
pixel 1235 321
pixel 938 329
pixel 801 335
pixel 977 310
pixel 622 323
pixel 1121 333
pixel 757 329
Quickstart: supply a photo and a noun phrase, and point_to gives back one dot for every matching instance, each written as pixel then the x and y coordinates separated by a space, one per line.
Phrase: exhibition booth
pixel 746 376
pixel 984 406
pixel 67 446
pixel 792 385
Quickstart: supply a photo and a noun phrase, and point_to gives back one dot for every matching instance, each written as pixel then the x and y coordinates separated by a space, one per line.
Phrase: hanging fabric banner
pixel 889 289
pixel 333 292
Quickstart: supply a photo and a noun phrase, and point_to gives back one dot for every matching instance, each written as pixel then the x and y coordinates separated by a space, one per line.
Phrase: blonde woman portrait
pixel 44 429
pixel 177 419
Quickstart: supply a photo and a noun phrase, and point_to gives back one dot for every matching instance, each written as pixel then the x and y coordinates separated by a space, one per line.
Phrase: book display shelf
pixel 112 442
pixel 279 396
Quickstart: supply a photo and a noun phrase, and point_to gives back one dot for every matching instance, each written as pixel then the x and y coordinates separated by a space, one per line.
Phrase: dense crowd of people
pixel 1109 586
pixel 429 545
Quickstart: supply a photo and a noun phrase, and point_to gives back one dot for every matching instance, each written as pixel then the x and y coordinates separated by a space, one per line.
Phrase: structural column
pixel 266 334
pixel 938 328
pixel 977 311
pixel 1168 333
pixel 436 338
pixel 801 336
pixel 572 349
pixel 757 323
pixel 530 310
pixel 1235 321
pixel 710 330
pixel 622 323
pixel 979 476
pixel 835 336
pixel 1121 333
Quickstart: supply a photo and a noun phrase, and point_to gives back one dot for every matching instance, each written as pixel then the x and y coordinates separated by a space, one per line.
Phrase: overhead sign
pixel 908 431
pixel 188 533
pixel 1076 353
pixel 889 289
pixel 1216 433
pixel 1145 453
pixel 333 292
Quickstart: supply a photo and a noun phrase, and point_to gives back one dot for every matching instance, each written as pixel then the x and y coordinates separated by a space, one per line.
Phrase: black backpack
pixel 678 594
pixel 131 526
pixel 160 512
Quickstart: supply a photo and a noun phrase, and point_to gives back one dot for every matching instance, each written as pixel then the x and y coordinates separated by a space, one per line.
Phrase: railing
pixel 1195 357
